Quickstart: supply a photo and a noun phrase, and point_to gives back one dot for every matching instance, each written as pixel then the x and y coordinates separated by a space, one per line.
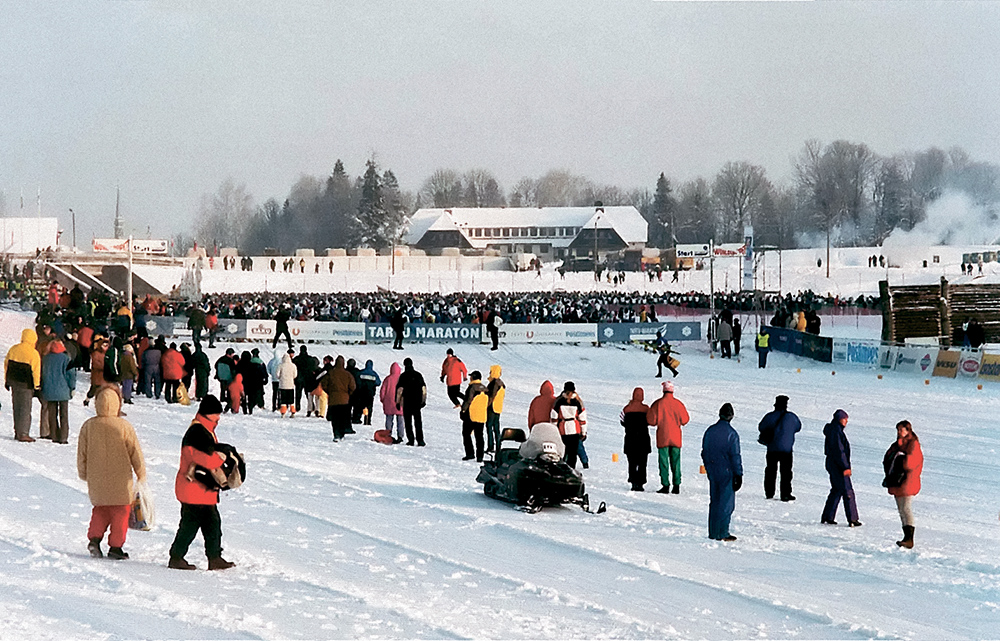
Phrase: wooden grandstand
pixel 933 311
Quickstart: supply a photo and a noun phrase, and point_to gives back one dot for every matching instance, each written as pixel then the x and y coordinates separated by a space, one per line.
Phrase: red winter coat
pixel 540 410
pixel 914 465
pixel 85 337
pixel 236 393
pixel 453 370
pixel 197 448
pixel 387 393
pixel 172 365
pixel 668 415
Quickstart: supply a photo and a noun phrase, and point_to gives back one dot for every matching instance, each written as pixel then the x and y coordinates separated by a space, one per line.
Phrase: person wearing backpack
pixel 777 431
pixel 225 370
pixel 903 463
pixel 199 503
pixel 473 413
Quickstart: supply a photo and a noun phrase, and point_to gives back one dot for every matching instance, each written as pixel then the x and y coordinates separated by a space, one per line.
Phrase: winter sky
pixel 168 99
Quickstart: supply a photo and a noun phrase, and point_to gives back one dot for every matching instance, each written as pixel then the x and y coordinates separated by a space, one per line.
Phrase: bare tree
pixel 443 189
pixel 481 189
pixel 738 190
pixel 225 215
pixel 524 193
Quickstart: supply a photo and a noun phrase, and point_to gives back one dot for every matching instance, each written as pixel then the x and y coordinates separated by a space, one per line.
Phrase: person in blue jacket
pixel 720 453
pixel 838 465
pixel 368 381
pixel 777 432
pixel 58 382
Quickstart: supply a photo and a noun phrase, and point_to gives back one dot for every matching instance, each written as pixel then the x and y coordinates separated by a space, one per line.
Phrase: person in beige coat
pixel 107 455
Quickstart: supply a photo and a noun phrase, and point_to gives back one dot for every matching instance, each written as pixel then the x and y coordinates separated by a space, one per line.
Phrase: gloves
pixel 737 483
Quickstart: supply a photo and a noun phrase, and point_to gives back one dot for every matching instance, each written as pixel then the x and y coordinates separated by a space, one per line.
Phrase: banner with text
pixel 946 364
pixel 547 333
pixel 916 360
pixel 856 351
pixel 627 332
pixel 989 369
pixel 337 332
pixel 429 332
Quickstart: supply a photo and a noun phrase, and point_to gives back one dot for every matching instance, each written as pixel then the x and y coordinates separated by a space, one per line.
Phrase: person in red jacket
pixel 540 410
pixel 453 374
pixel 199 505
pixel 668 415
pixel 172 366
pixel 903 463
pixel 236 394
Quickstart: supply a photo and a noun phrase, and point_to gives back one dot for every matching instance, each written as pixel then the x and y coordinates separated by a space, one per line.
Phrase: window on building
pixel 496 232
pixel 533 231
pixel 487 232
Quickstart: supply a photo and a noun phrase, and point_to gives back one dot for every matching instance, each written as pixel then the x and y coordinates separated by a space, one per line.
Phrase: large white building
pixel 547 232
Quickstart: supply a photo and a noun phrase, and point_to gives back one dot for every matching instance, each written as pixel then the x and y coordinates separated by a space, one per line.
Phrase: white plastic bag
pixel 142 514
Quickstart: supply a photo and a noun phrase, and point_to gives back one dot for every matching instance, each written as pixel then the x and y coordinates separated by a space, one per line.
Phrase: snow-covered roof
pixel 627 222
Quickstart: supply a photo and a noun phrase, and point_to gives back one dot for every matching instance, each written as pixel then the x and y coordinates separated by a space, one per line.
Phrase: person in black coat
pixel 637 446
pixel 838 466
pixel 397 323
pixel 411 396
pixel 281 327
pixel 777 432
pixel 737 335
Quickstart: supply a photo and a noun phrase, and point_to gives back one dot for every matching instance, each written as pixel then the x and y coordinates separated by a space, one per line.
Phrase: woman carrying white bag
pixel 107 454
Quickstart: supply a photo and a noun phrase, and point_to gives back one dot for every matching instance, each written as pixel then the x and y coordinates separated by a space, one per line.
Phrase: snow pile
pixel 361 540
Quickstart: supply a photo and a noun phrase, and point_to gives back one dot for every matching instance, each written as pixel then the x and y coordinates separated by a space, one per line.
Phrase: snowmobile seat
pixel 514 434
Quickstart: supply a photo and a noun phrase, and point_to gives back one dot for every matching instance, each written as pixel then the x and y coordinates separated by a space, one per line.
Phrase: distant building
pixel 548 232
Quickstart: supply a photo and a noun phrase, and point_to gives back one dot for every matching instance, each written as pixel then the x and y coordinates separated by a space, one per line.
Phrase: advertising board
pixel 326 331
pixel 968 364
pixel 946 364
pixel 627 332
pixel 916 360
pixel 989 368
pixel 429 332
pixel 548 333
pixel 856 351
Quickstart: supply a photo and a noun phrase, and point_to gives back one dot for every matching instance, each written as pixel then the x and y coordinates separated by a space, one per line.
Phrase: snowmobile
pixel 531 472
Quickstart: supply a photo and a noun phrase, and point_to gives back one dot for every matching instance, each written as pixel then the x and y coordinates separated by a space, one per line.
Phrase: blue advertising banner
pixel 429 332
pixel 626 332
pixel 819 348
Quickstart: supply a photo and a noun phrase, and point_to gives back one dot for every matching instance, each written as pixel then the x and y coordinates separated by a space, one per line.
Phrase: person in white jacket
pixel 287 372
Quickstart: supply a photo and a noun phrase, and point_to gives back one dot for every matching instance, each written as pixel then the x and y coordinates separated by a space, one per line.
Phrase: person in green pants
pixel 668 415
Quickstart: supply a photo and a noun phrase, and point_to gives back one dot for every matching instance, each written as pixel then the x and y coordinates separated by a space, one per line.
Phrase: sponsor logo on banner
pixel 627 332
pixel 858 352
pixel 260 329
pixel 946 364
pixel 968 365
pixel 548 333
pixel 326 331
pixel 916 360
pixel 990 368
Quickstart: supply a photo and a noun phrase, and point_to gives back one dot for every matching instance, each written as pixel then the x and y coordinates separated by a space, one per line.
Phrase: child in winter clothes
pixel 236 394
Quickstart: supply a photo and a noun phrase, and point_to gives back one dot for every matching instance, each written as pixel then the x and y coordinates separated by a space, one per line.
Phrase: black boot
pixel 675 489
pixel 95 548
pixel 907 541
pixel 664 490
pixel 117 554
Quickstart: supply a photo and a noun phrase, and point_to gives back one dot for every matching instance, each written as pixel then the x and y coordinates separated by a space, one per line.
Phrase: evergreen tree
pixel 663 227
pixel 372 216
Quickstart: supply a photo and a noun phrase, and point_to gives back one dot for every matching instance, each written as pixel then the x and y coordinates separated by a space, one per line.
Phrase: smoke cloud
pixel 952 219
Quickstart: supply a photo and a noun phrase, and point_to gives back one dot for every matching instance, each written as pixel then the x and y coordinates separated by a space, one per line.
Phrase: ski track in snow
pixel 357 539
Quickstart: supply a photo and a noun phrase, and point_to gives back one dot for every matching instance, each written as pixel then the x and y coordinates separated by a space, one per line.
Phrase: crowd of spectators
pixel 522 307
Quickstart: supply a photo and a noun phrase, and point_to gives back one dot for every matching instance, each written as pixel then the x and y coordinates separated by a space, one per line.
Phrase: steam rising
pixel 952 219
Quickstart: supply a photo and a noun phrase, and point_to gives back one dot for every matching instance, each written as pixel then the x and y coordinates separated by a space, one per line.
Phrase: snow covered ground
pixel 358 539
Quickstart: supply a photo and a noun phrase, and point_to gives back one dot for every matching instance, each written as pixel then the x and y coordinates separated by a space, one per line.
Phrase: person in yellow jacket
pixel 23 376
pixel 763 347
pixel 473 413
pixel 495 390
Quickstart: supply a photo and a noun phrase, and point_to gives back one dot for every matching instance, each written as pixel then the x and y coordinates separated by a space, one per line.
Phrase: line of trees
pixel 842 191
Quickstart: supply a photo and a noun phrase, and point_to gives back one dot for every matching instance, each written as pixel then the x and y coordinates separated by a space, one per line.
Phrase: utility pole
pixel 73 214
pixel 118 219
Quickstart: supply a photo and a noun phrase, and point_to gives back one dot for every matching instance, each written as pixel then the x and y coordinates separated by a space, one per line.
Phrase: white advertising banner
pixel 546 333
pixel 968 364
pixel 323 331
pixel 856 351
pixel 916 360
pixel 139 246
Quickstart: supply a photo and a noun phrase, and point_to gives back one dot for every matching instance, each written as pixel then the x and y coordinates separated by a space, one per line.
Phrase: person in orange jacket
pixel 903 463
pixel 453 374
pixel 236 394
pixel 668 415
pixel 199 504
pixel 172 367
pixel 540 410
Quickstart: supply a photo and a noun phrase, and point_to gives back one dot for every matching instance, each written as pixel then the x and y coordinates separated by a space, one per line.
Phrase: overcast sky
pixel 168 99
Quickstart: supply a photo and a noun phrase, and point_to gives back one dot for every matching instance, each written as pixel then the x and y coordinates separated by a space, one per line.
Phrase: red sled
pixel 383 436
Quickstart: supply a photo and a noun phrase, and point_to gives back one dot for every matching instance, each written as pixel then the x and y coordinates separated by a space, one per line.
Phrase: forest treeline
pixel 842 189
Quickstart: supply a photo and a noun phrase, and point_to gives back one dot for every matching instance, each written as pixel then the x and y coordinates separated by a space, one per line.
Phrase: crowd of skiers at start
pixel 722 460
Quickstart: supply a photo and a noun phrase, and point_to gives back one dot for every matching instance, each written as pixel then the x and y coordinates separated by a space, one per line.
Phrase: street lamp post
pixel 73 214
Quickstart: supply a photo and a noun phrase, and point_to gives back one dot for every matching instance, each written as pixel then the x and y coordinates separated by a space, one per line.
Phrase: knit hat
pixel 839 414
pixel 210 405
pixel 569 387
pixel 726 412
pixel 781 402
pixel 476 375
pixel 668 386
